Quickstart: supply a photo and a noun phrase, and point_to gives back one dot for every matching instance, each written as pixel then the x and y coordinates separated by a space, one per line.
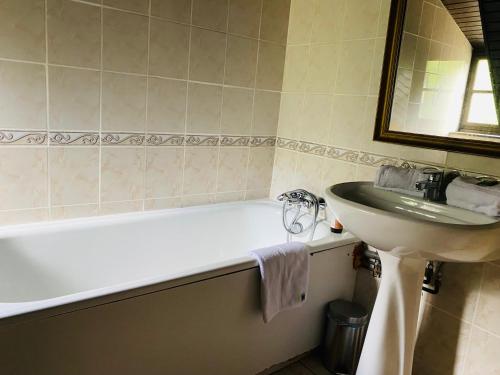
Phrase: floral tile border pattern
pixel 28 138
pixel 62 138
pixel 353 156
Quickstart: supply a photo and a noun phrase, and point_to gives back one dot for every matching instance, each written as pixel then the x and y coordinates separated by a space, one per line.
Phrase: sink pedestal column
pixel 390 340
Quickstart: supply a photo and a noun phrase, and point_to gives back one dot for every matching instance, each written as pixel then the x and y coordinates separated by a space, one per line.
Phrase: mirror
pixel 440 83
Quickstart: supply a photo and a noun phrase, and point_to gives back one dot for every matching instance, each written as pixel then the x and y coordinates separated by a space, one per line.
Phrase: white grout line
pixel 99 199
pixel 222 99
pixel 186 114
pixel 252 117
pixel 47 103
pixel 145 153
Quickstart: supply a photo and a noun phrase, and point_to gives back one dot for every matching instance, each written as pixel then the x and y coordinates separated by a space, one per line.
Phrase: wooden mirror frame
pixel 387 87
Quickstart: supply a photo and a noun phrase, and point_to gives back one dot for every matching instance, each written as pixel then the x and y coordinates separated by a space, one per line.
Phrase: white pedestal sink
pixel 407 231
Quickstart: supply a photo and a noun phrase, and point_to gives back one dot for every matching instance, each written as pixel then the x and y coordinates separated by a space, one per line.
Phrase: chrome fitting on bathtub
pixel 295 200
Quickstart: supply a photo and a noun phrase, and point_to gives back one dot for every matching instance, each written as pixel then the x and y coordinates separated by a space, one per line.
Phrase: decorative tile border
pixel 375 160
pixel 69 138
pixel 262 141
pixel 288 144
pixel 122 139
pixel 31 138
pixel 234 140
pixel 165 140
pixel 73 139
pixel 202 140
pixel 312 148
pixel 342 154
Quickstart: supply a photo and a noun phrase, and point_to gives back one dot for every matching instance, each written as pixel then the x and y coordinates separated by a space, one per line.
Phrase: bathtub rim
pixel 13 313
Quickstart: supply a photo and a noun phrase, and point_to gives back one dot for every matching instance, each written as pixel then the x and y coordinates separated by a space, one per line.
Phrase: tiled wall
pixel 136 104
pixel 330 90
pixel 432 71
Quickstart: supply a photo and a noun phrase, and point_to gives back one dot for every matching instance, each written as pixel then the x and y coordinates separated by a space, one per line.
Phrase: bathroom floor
pixel 309 365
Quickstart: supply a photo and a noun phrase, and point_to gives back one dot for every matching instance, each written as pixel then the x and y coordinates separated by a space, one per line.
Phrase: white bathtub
pixel 66 271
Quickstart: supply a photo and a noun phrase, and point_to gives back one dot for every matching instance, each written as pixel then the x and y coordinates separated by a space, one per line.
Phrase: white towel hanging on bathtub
pixel 284 270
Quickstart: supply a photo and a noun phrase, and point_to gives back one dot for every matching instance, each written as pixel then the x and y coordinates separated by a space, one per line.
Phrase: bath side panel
pixel 210 327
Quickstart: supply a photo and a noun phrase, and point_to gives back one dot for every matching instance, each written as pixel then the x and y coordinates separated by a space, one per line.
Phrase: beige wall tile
pixel 241 61
pixel 74 33
pixel 266 113
pixel 166 105
pixel 23 179
pixel 73 212
pixel 208 50
pixel 296 68
pixel 260 168
pixel 22 30
pixel 361 19
pixel 74 175
pixel 200 170
pixel 328 21
pixel 336 172
pixel 348 115
pixel 301 20
pixel 113 208
pixel 257 194
pixel 283 171
pixel 317 111
pixel 355 67
pixel 204 109
pixel 164 171
pixel 290 115
pixel 140 6
pixel 74 98
pixel 198 200
pixel 230 197
pixel 123 102
pixel 365 173
pixel 441 344
pixel 322 68
pixel 270 66
pixel 237 111
pixel 22 96
pixel 482 356
pixel 274 24
pixel 13 217
pixel 308 173
pixel 125 42
pixel 122 173
pixel 176 10
pixel 211 14
pixel 473 163
pixel 161 204
pixel 489 300
pixel 169 49
pixel 232 169
pixel 244 17
pixel 460 292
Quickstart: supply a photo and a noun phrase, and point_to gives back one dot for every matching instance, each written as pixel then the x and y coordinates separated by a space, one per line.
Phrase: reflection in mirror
pixel 443 85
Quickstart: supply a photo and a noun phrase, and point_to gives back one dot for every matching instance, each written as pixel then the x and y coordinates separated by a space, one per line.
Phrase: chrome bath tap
pixel 294 201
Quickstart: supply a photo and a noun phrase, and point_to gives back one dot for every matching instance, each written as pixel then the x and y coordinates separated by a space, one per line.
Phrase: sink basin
pixel 408 226
pixel 407 231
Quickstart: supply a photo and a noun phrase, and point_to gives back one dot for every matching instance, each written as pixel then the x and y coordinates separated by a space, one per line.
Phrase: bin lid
pixel 347 312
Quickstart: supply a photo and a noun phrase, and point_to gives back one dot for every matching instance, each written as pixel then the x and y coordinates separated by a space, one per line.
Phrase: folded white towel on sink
pixel 284 271
pixel 399 179
pixel 463 192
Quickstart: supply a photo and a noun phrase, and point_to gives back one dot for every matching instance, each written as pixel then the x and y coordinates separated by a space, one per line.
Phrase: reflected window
pixel 479 112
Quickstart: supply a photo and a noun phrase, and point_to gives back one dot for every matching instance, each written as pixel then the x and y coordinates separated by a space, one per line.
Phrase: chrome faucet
pixel 432 187
pixel 295 200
